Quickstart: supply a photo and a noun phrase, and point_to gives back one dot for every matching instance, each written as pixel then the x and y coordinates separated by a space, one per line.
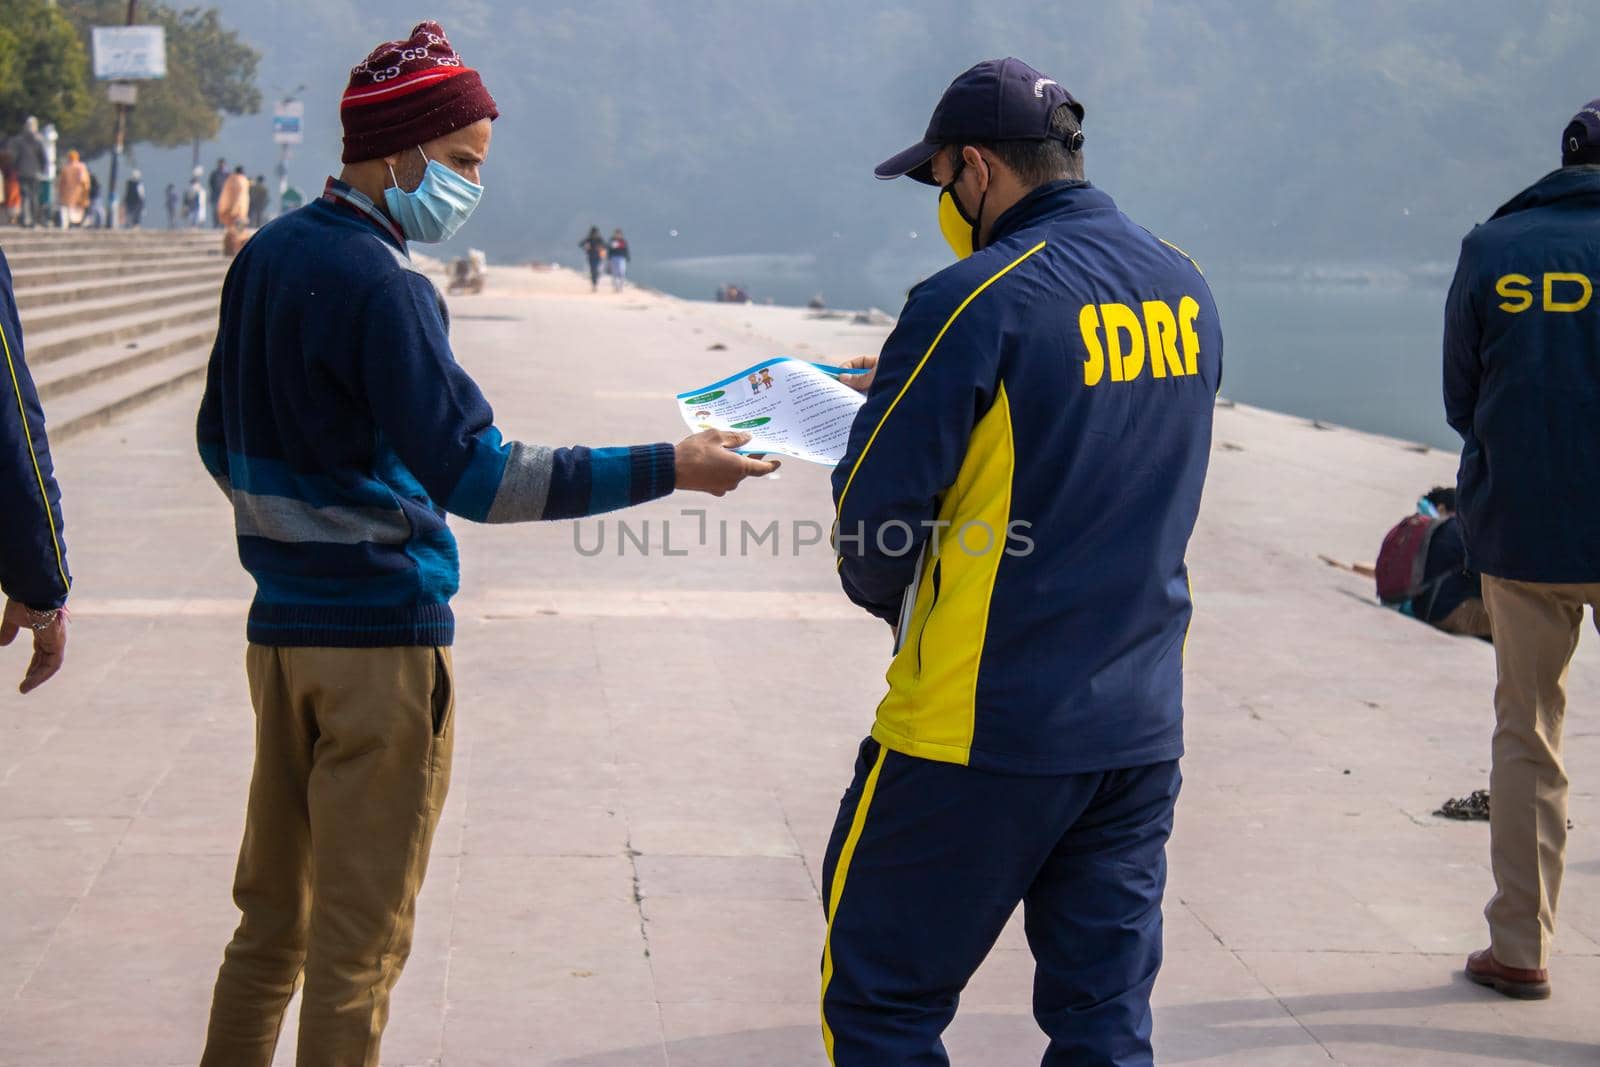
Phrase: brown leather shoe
pixel 1522 983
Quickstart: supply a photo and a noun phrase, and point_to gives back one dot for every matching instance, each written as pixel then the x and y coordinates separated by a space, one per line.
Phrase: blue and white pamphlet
pixel 788 407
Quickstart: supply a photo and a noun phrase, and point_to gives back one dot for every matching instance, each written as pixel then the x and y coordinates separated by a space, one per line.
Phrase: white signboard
pixel 123 93
pixel 130 53
pixel 287 119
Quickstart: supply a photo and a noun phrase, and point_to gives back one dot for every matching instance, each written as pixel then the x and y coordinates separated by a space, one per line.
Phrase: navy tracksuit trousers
pixel 927 863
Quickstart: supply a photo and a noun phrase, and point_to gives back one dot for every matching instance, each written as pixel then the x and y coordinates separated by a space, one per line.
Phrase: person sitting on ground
pixel 1422 569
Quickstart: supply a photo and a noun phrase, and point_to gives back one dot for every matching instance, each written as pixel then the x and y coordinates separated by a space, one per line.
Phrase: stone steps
pixel 99 404
pixel 113 320
pixel 47 346
pixel 152 298
pixel 63 377
pixel 28 284
pixel 35 258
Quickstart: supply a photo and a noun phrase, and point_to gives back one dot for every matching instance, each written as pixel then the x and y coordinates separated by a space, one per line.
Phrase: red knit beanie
pixel 409 92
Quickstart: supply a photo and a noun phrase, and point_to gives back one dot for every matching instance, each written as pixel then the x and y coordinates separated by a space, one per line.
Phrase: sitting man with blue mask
pixel 340 426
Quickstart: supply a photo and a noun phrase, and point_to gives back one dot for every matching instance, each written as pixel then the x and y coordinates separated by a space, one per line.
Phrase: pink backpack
pixel 1403 559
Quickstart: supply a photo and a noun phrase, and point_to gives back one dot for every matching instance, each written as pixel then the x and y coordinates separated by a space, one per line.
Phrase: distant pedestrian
pixel 73 196
pixel 28 156
pixel 173 202
pixel 11 188
pixel 194 201
pixel 33 558
pixel 258 201
pixel 97 203
pixel 617 260
pixel 47 184
pixel 133 200
pixel 233 209
pixel 219 178
pixel 1522 388
pixel 594 247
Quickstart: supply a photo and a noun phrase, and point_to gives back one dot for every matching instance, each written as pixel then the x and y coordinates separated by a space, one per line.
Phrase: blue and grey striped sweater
pixel 338 422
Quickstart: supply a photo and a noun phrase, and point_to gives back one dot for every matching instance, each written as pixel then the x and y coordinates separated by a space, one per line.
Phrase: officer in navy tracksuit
pixel 1017 498
pixel 1522 387
pixel 33 558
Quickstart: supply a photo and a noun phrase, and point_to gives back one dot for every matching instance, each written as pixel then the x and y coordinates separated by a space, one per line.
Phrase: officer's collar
pixel 1051 198
pixel 1566 183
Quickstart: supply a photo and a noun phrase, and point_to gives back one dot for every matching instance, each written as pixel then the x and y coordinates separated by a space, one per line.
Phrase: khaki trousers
pixel 352 763
pixel 1536 626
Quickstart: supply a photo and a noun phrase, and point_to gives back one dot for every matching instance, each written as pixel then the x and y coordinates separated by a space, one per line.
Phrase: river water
pixel 1362 351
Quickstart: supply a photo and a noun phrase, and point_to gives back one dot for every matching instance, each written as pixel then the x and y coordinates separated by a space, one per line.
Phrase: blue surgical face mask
pixel 437 208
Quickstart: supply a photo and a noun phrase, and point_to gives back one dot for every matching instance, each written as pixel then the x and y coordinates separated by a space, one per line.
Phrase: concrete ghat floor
pixel 651 749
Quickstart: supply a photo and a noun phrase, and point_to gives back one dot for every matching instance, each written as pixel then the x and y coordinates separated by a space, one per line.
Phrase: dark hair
pixel 1037 162
pixel 1442 496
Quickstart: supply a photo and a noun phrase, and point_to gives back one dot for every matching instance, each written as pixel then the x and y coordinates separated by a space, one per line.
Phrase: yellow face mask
pixel 959 229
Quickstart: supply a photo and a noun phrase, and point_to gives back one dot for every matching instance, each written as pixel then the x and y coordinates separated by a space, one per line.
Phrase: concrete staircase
pixel 113 320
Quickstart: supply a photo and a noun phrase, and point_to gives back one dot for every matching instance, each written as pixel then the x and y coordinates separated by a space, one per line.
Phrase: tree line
pixel 46 70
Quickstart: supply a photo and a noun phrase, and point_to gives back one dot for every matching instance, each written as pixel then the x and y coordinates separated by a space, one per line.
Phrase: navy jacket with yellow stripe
pixel 1030 458
pixel 33 559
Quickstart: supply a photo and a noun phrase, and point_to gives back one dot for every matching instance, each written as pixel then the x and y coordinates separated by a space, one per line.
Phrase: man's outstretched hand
pixel 49 643
pixel 707 464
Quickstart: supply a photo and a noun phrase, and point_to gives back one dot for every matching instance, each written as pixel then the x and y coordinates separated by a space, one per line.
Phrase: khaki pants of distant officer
pixel 352 763
pixel 1536 628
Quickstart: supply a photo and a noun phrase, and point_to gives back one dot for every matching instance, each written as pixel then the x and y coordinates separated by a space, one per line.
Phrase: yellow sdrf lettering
pixel 1514 288
pixel 1116 339
pixel 1516 292
pixel 1125 365
pixel 1161 326
pixel 1188 312
pixel 1550 302
pixel 1094 368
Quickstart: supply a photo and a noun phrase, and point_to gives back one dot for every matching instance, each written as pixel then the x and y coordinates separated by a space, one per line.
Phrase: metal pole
pixel 116 144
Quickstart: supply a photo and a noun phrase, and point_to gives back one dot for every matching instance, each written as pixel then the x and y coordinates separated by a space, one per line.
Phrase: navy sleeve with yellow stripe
pixel 33 557
pixel 936 377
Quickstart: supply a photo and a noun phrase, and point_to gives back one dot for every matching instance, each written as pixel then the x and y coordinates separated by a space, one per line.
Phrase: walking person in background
pixel 594 247
pixel 617 260
pixel 214 184
pixel 97 203
pixel 1522 388
pixel 173 201
pixel 194 201
pixel 29 159
pixel 258 201
pixel 10 187
pixel 47 184
pixel 1027 750
pixel 342 428
pixel 33 557
pixel 133 200
pixel 233 208
pixel 74 195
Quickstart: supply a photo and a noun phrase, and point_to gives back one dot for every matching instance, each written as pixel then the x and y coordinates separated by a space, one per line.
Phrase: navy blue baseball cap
pixel 1580 141
pixel 997 100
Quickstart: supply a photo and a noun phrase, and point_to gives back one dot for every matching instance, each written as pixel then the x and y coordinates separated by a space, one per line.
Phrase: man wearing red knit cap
pixel 343 431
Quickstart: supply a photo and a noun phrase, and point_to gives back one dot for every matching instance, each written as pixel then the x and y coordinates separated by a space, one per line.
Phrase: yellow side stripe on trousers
pixel 840 872
pixel 1183 651
pixel 38 473
pixel 918 370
